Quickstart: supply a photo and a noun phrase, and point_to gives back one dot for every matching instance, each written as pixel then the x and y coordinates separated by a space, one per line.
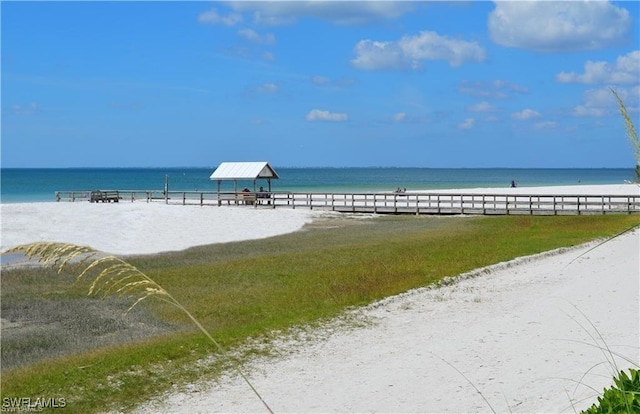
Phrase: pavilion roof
pixel 243 171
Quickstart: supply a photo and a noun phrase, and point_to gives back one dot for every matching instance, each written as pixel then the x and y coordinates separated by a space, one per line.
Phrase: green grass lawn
pixel 253 288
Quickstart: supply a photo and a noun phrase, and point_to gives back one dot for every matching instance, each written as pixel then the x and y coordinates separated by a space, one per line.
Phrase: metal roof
pixel 243 171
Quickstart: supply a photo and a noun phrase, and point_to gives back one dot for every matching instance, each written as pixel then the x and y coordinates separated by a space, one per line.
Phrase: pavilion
pixel 244 171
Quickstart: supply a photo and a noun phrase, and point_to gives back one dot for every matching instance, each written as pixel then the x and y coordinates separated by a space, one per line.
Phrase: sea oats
pixel 632 134
pixel 114 276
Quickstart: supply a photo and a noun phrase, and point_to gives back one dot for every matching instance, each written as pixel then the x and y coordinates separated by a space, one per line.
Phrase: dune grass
pixel 630 129
pixel 253 288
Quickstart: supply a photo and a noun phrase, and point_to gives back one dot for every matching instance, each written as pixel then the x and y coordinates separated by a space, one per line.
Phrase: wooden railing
pixel 171 197
pixel 393 203
pixel 447 203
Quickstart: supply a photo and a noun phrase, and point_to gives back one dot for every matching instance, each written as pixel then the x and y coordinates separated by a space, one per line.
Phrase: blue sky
pixel 353 83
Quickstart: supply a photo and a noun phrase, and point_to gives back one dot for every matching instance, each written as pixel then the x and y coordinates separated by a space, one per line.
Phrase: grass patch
pixel 249 289
pixel 46 315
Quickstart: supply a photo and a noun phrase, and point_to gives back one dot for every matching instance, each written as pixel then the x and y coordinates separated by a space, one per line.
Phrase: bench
pixel 263 197
pixel 104 196
pixel 238 198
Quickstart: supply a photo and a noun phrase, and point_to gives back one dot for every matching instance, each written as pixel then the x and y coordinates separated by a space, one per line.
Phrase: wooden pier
pixel 387 202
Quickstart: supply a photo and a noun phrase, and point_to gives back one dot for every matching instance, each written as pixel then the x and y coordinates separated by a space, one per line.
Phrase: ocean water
pixel 36 185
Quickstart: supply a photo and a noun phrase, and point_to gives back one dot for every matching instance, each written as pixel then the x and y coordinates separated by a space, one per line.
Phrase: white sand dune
pixel 142 228
pixel 528 334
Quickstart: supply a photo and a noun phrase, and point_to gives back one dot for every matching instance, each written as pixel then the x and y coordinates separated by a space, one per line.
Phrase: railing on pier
pixel 450 203
pixel 173 197
pixel 391 203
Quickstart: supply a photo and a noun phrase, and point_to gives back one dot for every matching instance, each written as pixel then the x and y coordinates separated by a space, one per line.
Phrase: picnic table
pixel 99 196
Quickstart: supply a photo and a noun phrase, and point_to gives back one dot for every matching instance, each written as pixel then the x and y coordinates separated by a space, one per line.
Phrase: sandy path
pixel 515 333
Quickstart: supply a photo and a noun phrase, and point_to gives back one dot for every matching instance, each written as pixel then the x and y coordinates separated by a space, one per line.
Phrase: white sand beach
pixel 527 334
pixel 605 189
pixel 140 227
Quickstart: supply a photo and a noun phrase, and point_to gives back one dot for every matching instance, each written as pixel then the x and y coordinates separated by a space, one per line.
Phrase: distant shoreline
pixel 32 185
pixel 320 168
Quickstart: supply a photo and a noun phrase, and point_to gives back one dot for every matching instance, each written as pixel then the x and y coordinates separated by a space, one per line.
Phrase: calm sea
pixel 34 185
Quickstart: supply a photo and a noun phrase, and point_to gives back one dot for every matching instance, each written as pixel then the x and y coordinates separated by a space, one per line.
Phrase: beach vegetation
pixel 622 397
pixel 243 295
pixel 632 133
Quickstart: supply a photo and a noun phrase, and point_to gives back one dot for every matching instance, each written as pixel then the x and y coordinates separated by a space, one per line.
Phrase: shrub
pixel 622 397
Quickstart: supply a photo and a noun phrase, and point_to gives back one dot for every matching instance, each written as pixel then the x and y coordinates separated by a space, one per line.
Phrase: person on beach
pixel 246 196
pixel 263 194
pixel 514 183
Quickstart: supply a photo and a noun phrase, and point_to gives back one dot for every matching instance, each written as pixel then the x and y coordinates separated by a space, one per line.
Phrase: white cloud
pixel 320 80
pixel 631 97
pixel 320 115
pixel 30 109
pixel 338 12
pixel 497 89
pixel 625 70
pixel 268 88
pixel 525 115
pixel 400 116
pixel 212 17
pixel 410 51
pixel 323 81
pixel 483 106
pixel 268 56
pixel 600 102
pixel 467 123
pixel 557 26
pixel 546 125
pixel 379 55
pixel 601 97
pixel 253 36
pixel 405 118
pixel 583 111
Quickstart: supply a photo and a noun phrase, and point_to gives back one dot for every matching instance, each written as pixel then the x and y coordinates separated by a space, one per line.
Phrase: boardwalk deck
pixel 393 203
